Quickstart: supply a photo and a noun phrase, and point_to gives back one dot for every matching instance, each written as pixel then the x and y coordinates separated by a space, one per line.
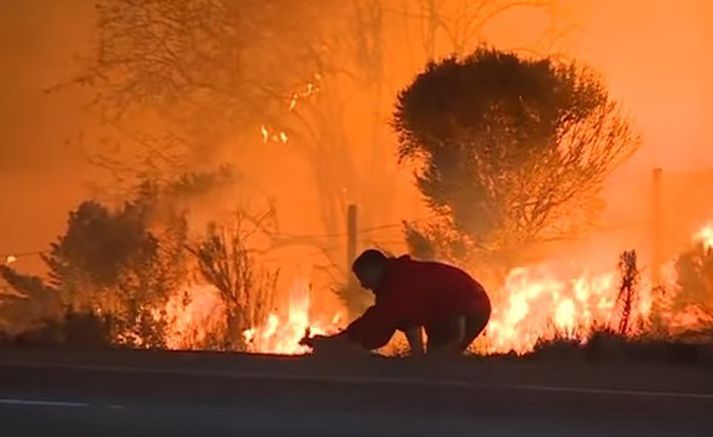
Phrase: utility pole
pixel 352 289
pixel 657 228
pixel 351 243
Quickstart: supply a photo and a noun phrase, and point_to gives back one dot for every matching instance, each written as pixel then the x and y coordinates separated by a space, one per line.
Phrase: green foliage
pixel 513 151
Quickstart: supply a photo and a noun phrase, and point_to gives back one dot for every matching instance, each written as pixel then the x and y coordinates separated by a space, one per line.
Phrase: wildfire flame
pixel 537 305
pixel 282 335
pixel 534 304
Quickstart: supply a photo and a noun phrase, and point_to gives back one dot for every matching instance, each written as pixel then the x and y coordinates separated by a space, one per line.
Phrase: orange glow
pixel 336 124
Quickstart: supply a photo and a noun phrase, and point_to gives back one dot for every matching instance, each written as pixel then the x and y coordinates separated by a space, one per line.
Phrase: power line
pixel 359 231
pixel 320 252
pixel 22 254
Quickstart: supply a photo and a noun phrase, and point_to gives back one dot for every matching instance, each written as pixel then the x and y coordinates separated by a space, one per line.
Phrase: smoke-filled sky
pixel 654 55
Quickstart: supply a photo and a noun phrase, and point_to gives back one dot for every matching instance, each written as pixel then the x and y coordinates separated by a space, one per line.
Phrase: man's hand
pixel 315 342
pixel 331 345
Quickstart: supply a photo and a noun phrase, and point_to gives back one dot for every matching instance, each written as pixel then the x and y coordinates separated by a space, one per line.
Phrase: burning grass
pixel 544 310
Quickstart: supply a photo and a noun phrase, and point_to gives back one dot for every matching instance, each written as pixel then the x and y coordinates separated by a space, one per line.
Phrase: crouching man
pixel 411 295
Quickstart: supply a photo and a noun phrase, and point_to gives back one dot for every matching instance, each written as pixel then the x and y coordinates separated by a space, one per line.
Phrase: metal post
pixel 351 244
pixel 657 228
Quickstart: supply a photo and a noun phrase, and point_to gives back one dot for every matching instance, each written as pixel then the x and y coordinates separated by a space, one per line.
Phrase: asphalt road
pixel 144 394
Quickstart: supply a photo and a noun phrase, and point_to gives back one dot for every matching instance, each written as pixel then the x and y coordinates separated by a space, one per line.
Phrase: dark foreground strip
pixel 360 380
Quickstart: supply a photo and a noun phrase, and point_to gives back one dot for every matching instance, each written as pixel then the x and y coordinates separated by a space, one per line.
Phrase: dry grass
pixel 610 346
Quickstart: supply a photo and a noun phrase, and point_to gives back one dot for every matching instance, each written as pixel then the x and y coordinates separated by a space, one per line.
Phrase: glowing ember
pixel 310 89
pixel 269 135
pixel 283 137
pixel 282 335
pixel 10 259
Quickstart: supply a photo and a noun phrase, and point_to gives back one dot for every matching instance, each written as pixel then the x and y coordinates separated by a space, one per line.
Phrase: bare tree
pixel 457 27
pixel 627 296
pixel 212 68
pixel 248 291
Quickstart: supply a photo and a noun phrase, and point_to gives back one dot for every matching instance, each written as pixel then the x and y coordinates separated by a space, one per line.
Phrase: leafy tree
pixel 99 244
pixel 513 151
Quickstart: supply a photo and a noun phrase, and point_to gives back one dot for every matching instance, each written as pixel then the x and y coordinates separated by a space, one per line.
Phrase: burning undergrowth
pixel 140 275
pixel 538 308
pixel 136 276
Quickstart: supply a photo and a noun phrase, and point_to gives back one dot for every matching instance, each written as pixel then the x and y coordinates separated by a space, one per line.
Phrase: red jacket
pixel 417 293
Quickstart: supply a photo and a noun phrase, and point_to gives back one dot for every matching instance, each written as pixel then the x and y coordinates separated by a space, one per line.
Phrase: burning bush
pixel 111 262
pixel 246 291
pixel 115 266
pixel 694 269
pixel 687 300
